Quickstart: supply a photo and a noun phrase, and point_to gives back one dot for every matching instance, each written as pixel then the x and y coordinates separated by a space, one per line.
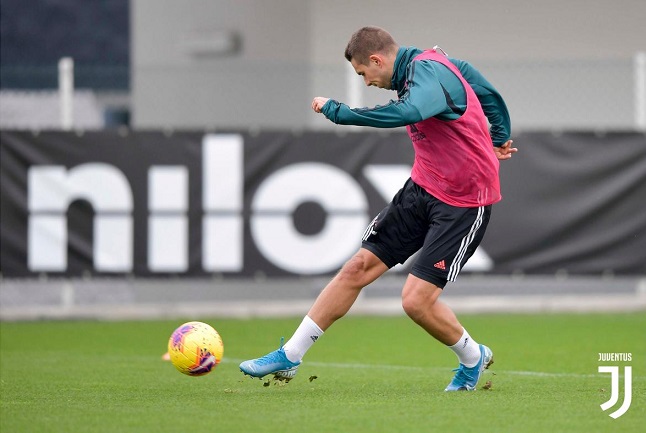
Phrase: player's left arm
pixel 391 115
pixel 423 98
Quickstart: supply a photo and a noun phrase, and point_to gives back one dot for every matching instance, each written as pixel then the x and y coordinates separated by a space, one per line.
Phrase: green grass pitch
pixel 366 374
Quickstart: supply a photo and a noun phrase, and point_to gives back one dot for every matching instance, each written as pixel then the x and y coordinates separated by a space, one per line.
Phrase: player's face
pixel 374 73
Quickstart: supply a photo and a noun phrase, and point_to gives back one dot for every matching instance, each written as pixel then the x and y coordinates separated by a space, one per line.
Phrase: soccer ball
pixel 195 348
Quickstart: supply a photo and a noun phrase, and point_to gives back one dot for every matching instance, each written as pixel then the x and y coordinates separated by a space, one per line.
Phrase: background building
pixel 159 84
pixel 255 64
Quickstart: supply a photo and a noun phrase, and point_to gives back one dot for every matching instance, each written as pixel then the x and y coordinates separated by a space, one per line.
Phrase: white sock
pixel 305 336
pixel 467 349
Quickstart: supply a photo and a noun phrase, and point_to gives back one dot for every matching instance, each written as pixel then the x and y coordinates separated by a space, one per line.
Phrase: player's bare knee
pixel 354 270
pixel 417 301
pixel 411 303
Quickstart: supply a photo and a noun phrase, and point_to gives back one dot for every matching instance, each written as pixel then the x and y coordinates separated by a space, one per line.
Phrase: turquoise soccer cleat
pixel 275 363
pixel 466 378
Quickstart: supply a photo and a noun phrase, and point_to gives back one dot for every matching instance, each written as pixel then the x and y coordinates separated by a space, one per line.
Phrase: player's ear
pixel 376 59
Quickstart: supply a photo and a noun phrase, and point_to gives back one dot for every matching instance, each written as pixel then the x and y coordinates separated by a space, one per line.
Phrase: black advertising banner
pixel 278 204
pixel 574 202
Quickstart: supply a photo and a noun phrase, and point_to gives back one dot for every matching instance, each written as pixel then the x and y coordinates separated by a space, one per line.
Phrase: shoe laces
pixel 271 357
pixel 461 374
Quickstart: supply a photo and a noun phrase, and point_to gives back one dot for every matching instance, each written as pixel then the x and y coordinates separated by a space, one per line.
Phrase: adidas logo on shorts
pixel 440 265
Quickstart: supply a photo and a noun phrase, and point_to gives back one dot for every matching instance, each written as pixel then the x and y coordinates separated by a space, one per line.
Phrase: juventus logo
pixel 370 230
pixel 614 397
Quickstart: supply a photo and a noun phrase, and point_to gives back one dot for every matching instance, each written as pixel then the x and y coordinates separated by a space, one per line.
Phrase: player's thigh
pixel 399 230
pixel 453 238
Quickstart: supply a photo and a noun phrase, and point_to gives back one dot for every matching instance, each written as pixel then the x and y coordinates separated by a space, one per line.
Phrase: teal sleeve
pixel 493 105
pixel 424 98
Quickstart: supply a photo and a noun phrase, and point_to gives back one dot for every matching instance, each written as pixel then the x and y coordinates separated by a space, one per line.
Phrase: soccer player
pixel 459 127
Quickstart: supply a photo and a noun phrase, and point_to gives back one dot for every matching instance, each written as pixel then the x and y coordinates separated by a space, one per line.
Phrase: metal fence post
pixel 640 90
pixel 66 91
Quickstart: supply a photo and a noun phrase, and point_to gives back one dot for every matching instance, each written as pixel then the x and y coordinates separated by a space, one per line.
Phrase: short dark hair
pixel 367 41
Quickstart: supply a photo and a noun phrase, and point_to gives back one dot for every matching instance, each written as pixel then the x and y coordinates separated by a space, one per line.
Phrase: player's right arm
pixel 493 105
pixel 505 151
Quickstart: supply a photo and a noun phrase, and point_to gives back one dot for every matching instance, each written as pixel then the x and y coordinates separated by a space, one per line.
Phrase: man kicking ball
pixel 459 127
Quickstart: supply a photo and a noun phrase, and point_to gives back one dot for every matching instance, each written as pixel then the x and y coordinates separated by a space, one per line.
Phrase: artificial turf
pixel 366 374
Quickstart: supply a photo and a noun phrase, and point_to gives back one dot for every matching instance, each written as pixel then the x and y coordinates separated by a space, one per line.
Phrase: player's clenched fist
pixel 318 103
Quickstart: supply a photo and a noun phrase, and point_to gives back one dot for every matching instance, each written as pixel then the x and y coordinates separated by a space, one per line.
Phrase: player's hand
pixel 318 103
pixel 505 151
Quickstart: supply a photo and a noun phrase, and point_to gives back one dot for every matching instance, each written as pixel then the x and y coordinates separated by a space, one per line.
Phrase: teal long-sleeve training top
pixel 433 91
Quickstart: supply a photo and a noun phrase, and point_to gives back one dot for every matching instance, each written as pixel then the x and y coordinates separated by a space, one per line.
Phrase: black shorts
pixel 447 235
